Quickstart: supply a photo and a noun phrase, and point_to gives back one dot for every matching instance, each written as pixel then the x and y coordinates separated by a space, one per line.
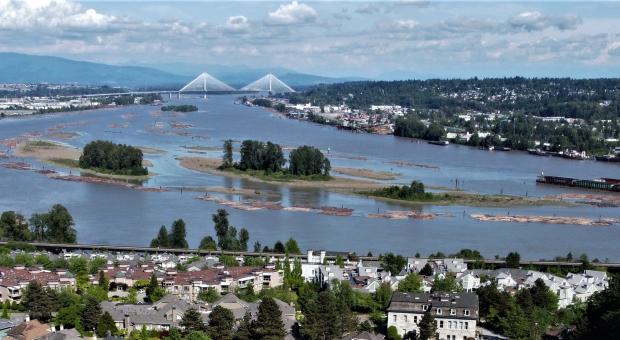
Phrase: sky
pixel 379 39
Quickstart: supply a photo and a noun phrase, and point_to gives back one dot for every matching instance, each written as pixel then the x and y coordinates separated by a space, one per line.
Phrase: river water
pixel 108 214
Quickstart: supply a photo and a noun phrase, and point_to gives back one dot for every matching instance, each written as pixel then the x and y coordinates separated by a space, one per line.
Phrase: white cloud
pixel 536 21
pixel 238 23
pixel 49 14
pixel 291 14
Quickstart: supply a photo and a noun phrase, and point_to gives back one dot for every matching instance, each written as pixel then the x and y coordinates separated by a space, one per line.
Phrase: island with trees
pixel 266 160
pixel 117 159
pixel 180 108
pixel 416 193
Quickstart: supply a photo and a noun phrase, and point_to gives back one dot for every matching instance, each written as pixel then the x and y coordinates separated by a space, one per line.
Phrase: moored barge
pixel 608 184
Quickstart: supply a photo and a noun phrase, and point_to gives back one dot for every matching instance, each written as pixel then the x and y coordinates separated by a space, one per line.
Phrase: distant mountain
pixel 24 68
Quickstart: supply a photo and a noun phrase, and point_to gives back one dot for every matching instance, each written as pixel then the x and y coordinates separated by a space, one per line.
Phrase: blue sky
pixel 388 39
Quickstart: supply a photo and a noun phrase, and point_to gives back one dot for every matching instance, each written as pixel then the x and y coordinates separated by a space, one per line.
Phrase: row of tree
pixel 54 226
pixel 110 157
pixel 268 157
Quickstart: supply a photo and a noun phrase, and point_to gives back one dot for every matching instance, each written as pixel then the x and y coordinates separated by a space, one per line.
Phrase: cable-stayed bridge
pixel 205 83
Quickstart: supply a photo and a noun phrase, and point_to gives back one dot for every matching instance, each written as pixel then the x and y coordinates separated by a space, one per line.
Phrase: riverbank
pixel 211 165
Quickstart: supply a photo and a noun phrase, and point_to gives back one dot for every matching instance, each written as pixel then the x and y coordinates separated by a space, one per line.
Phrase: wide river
pixel 109 214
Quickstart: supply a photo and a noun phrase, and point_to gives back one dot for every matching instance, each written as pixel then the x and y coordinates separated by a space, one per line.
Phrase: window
pixel 424 307
pixel 466 312
pixel 441 324
pixel 466 325
pixel 452 311
pixel 460 324
pixel 449 324
pixel 438 311
pixel 405 316
pixel 394 318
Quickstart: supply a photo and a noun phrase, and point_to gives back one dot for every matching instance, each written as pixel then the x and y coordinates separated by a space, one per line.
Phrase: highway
pixel 59 247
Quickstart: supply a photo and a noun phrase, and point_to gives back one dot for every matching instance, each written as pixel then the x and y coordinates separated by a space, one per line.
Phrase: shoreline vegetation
pixel 65 156
pixel 416 194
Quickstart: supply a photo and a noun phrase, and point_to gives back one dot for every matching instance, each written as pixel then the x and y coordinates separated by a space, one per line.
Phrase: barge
pixel 439 142
pixel 607 184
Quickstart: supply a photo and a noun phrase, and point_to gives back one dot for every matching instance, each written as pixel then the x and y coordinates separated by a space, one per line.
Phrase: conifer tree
pixel 269 323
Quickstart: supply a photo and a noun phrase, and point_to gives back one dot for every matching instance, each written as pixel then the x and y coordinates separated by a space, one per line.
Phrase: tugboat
pixel 614 158
pixel 538 152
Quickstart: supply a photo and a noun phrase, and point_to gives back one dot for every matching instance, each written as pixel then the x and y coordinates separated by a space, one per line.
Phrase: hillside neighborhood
pixel 186 280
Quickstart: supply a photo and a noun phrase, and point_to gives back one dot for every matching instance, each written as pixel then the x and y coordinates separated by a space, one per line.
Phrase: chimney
pixel 174 314
pixel 127 323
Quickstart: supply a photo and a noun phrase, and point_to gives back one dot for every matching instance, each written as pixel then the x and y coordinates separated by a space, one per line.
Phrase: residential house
pixel 456 314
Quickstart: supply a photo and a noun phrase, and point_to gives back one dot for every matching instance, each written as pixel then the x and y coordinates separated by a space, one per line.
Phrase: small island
pixel 117 159
pixel 180 108
pixel 415 193
pixel 266 160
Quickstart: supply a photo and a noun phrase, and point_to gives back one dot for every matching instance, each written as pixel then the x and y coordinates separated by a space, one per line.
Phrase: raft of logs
pixel 583 221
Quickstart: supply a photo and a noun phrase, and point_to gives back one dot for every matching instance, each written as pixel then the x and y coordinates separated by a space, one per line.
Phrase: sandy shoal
pixel 366 173
pixel 210 165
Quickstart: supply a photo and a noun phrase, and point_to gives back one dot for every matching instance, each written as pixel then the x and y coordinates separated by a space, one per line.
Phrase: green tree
pixel 38 301
pixel 393 263
pixel 154 291
pixel 195 335
pixel 383 295
pixel 192 321
pixel 244 237
pixel 392 334
pixel 178 234
pixel 269 325
pixel 307 161
pixel 411 283
pixel 209 295
pixel 513 260
pixel 91 313
pixel 427 270
pixel 104 283
pixel 601 318
pixel 427 325
pixel 162 240
pixel 244 331
pixel 5 311
pixel 227 157
pixel 14 227
pixel 54 226
pixel 292 247
pixel 208 243
pixel 221 323
pixel 326 317
pixel 446 284
pixel 106 324
pixel 278 247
